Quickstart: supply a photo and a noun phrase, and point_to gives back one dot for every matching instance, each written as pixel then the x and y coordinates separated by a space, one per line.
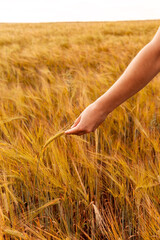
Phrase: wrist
pixel 102 108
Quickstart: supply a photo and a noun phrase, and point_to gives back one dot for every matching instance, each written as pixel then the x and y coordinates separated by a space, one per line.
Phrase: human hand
pixel 87 121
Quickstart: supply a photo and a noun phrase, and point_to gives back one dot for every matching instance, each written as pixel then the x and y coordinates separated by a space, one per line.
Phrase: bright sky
pixel 77 10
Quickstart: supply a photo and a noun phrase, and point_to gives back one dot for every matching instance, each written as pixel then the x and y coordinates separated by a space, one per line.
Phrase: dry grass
pixel 103 185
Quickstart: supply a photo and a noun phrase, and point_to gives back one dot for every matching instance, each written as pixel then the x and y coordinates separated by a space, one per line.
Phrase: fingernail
pixel 67 131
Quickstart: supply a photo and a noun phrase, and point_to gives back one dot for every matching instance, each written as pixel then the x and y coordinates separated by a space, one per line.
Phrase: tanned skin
pixel 142 69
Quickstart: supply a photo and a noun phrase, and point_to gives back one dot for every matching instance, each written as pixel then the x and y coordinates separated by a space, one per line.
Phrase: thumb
pixel 73 130
pixel 76 121
pixel 74 127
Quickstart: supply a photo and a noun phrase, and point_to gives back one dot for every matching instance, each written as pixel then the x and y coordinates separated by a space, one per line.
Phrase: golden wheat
pixel 103 185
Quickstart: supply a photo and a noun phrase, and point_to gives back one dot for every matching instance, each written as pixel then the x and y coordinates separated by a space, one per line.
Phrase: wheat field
pixel 102 185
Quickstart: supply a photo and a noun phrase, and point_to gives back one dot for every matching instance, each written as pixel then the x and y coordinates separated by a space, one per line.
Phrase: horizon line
pixel 97 21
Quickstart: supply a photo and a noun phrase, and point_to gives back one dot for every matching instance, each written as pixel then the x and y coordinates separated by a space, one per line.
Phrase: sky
pixel 78 10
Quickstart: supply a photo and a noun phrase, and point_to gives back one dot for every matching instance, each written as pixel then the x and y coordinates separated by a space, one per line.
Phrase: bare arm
pixel 140 71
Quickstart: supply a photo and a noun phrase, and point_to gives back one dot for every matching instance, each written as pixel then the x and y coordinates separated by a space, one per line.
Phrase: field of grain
pixel 102 185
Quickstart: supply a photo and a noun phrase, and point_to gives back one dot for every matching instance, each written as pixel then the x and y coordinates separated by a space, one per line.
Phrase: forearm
pixel 140 71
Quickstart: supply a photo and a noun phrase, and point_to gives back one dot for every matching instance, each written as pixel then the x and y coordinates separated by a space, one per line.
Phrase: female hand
pixel 88 120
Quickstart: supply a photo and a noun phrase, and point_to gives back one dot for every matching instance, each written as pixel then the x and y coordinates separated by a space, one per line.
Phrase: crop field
pixel 102 185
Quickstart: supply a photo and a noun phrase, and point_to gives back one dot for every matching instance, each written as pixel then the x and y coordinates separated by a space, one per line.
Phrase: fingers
pixel 70 131
pixel 75 131
pixel 76 122
pixel 75 128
